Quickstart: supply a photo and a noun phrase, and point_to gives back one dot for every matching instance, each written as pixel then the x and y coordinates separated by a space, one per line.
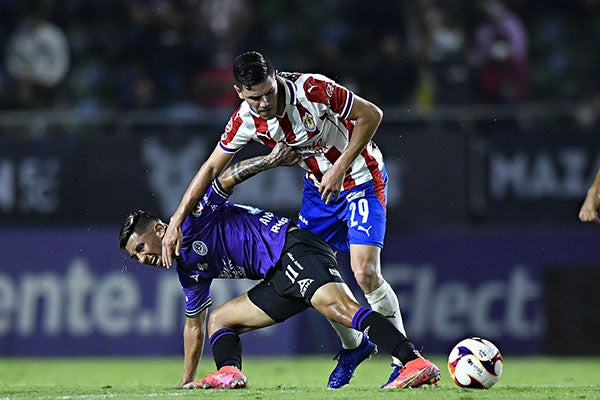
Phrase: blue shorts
pixel 357 217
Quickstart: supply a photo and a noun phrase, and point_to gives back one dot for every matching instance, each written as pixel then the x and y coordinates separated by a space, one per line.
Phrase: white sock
pixel 385 302
pixel 351 338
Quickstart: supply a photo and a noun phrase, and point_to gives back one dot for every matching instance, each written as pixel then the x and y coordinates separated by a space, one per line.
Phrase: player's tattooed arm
pixel 246 169
pixel 281 155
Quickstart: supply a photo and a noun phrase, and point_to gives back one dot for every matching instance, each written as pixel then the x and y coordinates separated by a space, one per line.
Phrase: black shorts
pixel 306 264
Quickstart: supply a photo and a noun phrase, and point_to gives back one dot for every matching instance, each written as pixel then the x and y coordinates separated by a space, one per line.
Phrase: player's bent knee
pixel 220 318
pixel 341 313
pixel 368 279
pixel 213 324
pixel 335 305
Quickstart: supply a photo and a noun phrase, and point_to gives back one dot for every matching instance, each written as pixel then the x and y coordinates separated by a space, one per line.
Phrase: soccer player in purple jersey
pixel 345 186
pixel 297 269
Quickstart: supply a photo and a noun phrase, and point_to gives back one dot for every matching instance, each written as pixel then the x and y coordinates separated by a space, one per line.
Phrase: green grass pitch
pixel 283 378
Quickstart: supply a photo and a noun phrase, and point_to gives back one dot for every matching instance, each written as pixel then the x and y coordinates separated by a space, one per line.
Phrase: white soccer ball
pixel 475 363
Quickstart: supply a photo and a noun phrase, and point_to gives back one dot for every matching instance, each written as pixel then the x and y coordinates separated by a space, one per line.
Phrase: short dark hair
pixel 139 221
pixel 251 68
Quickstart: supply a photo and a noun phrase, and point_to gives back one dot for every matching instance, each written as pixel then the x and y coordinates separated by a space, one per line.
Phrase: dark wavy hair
pixel 139 222
pixel 251 68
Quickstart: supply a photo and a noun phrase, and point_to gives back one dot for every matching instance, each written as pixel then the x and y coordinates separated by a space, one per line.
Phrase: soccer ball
pixel 475 363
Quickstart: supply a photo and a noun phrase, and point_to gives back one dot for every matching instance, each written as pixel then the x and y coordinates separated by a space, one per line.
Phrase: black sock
pixel 226 348
pixel 384 334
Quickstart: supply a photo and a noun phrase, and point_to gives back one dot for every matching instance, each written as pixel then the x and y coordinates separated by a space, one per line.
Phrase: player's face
pixel 147 247
pixel 262 97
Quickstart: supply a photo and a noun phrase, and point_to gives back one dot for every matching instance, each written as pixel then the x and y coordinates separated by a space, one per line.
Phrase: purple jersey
pixel 227 241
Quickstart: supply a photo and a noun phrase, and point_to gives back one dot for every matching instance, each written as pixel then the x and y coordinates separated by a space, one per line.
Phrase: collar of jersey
pixel 290 92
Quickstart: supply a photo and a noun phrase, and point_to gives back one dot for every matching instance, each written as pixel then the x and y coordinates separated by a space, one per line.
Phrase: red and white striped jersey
pixel 314 122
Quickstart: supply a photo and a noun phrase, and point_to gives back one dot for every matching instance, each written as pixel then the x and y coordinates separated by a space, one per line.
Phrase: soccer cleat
pixel 227 377
pixel 395 372
pixel 348 360
pixel 415 373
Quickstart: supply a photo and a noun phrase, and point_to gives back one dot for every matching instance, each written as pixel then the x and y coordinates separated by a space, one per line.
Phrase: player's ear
pixel 160 228
pixel 238 91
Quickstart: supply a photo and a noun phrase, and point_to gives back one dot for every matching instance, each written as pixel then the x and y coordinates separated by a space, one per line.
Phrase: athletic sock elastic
pixel 349 337
pixel 226 348
pixel 385 302
pixel 384 334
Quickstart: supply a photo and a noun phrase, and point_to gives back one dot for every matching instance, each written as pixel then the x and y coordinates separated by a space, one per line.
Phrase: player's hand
pixel 283 155
pixel 588 214
pixel 171 244
pixel 331 185
pixel 194 385
pixel 589 209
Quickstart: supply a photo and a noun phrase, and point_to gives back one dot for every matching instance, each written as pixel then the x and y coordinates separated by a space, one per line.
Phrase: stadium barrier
pixel 71 291
pixel 571 308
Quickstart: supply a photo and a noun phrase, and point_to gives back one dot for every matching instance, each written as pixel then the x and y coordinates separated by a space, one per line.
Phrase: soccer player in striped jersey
pixel 297 270
pixel 345 186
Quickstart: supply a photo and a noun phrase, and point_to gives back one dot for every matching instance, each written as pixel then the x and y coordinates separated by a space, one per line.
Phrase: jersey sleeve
pixel 197 296
pixel 215 195
pixel 320 89
pixel 236 135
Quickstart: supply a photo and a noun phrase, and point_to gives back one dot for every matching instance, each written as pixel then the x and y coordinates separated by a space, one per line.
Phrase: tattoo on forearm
pixel 248 168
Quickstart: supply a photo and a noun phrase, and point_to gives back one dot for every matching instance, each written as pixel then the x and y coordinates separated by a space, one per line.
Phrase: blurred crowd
pixel 132 54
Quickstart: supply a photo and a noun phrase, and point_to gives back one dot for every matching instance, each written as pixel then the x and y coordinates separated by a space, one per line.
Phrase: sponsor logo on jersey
pixel 202 266
pixel 316 147
pixel 198 210
pixel 304 284
pixel 309 122
pixel 199 207
pixel 268 218
pixel 195 277
pixel 302 219
pixel 229 125
pixel 329 89
pixel 275 228
pixel 365 230
pixel 200 248
pixel 264 136
pixel 230 270
pixel 355 195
